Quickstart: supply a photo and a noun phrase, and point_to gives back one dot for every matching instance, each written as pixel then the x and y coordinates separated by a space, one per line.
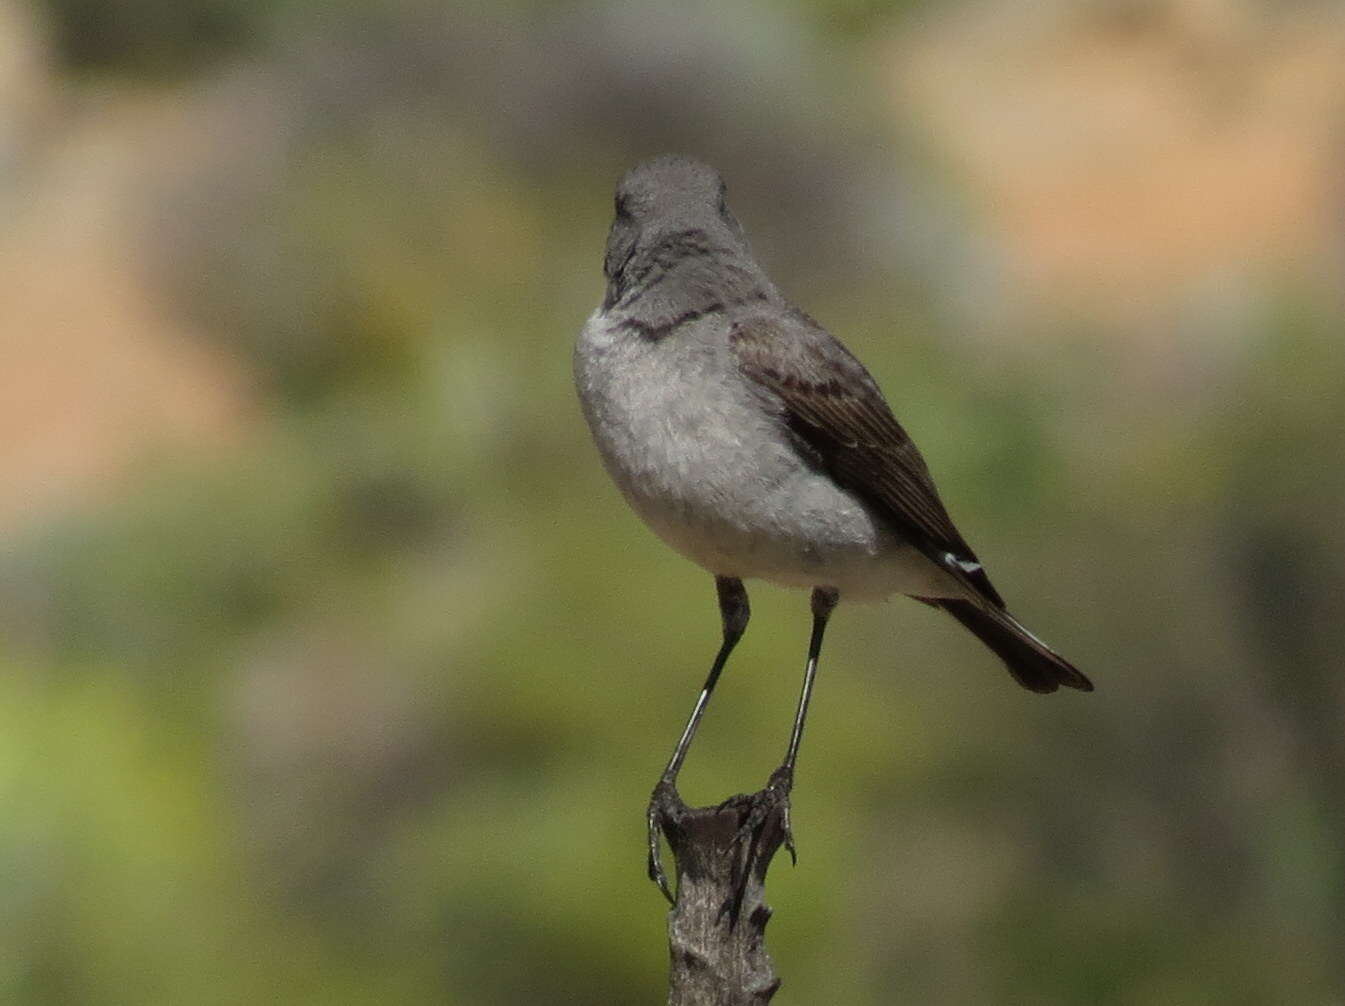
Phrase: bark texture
pixel 716 929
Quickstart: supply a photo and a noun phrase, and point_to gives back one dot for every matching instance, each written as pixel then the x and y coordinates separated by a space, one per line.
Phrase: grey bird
pixel 751 441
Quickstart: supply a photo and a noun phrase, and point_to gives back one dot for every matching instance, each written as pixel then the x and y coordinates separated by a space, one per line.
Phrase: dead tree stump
pixel 716 929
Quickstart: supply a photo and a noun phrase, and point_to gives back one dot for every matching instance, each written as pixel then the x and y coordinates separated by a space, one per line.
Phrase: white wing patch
pixel 965 565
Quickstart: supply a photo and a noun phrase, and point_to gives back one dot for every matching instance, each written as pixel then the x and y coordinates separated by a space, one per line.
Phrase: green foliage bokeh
pixel 366 708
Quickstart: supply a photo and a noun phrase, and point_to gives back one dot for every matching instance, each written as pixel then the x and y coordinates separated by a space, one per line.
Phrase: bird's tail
pixel 1033 664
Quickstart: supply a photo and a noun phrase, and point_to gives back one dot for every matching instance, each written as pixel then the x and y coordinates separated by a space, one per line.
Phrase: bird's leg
pixel 734 610
pixel 776 793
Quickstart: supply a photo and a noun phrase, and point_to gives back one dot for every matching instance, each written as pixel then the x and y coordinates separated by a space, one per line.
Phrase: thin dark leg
pixel 734 611
pixel 824 602
pixel 775 797
pixel 782 779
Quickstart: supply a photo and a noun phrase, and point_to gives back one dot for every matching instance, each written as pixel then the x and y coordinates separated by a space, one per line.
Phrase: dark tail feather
pixel 1032 663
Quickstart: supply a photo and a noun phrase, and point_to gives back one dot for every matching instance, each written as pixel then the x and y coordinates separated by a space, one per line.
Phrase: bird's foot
pixel 774 799
pixel 765 826
pixel 664 805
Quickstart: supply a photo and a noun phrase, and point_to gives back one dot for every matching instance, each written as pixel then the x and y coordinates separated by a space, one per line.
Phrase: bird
pixel 754 443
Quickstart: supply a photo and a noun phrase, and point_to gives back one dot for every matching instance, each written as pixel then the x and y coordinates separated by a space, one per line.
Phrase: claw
pixel 774 797
pixel 782 782
pixel 789 836
pixel 659 800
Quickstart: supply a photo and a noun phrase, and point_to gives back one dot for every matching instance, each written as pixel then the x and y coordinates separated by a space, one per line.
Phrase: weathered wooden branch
pixel 716 929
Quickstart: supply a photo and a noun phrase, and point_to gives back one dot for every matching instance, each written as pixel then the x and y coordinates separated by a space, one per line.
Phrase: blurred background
pixel 334 670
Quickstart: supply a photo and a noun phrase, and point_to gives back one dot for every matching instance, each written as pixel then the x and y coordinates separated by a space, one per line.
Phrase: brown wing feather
pixel 834 404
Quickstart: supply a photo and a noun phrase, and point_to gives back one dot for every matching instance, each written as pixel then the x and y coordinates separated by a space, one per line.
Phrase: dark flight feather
pixel 835 408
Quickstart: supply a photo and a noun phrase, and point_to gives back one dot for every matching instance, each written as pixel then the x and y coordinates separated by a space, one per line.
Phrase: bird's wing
pixel 835 408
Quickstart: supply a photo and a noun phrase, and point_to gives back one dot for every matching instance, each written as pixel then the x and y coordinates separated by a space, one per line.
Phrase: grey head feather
pixel 675 251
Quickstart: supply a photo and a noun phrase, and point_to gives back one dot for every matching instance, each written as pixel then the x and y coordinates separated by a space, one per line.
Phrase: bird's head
pixel 664 196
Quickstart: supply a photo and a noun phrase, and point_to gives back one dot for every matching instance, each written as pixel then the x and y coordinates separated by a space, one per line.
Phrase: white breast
pixel 704 461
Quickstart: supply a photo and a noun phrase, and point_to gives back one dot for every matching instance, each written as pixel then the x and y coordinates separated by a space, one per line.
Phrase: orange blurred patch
pixel 1125 158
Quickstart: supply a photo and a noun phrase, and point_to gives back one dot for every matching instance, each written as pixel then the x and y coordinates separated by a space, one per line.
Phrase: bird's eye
pixel 622 206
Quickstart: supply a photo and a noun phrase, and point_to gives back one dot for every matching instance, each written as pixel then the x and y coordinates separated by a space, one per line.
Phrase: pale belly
pixel 715 475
